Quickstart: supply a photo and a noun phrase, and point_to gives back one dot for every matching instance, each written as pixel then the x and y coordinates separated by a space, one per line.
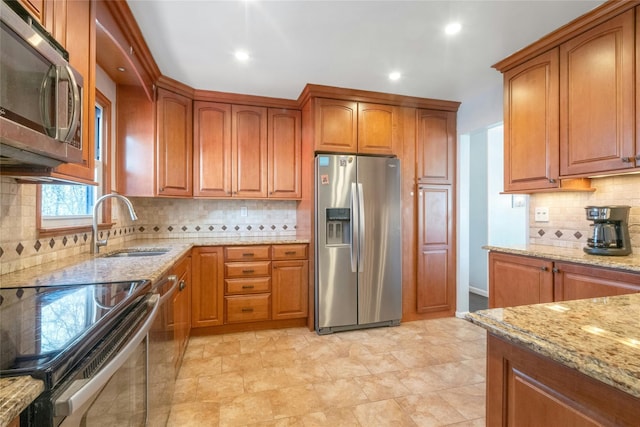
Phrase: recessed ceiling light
pixel 241 55
pixel 395 75
pixel 453 28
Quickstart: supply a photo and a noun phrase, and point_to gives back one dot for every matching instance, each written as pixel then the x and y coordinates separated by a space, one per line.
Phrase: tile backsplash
pixel 568 226
pixel 21 247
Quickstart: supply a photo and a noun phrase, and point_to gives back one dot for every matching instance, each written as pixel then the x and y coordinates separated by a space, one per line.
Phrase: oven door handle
pixel 83 391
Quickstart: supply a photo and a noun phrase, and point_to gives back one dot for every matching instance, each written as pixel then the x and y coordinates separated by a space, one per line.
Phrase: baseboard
pixel 478 291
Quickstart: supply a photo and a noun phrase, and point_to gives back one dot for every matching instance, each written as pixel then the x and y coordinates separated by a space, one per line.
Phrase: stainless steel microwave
pixel 40 95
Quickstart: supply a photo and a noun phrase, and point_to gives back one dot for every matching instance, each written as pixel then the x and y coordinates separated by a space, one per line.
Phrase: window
pixel 71 206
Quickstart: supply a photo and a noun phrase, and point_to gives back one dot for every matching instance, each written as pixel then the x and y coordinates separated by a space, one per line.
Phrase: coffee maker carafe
pixel 610 230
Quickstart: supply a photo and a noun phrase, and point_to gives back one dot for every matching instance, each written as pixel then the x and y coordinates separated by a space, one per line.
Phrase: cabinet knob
pixel 182 285
pixel 544 268
pixel 552 181
pixel 638 157
pixel 555 270
pixel 626 159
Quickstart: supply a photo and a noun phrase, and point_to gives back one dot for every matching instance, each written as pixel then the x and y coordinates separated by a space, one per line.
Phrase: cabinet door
pixel 182 310
pixel 290 281
pixel 519 280
pixel 531 124
pixel 174 144
pixel 249 151
pixel 80 41
pixel 435 146
pixel 378 129
pixel 597 98
pixel 37 9
pixel 336 125
pixel 211 149
pixel 578 282
pixel 285 158
pixel 207 293
pixel 436 250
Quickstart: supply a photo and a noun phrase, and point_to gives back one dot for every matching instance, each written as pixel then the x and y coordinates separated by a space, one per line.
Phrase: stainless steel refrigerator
pixel 358 242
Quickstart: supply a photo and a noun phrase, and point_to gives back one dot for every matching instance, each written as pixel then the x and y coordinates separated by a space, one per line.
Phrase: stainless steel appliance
pixel 610 234
pixel 88 343
pixel 358 250
pixel 40 95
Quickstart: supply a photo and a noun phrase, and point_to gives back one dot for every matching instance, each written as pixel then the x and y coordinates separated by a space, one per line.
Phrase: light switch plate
pixel 541 214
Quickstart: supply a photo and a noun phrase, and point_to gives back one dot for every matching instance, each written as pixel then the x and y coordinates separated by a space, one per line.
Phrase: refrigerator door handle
pixel 361 227
pixel 355 232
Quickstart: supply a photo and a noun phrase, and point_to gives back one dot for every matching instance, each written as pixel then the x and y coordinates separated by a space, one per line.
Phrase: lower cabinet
pixel 520 280
pixel 234 285
pixel 182 309
pixel 527 389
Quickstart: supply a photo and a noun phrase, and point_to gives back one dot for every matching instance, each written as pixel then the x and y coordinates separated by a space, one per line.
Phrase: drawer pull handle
pixel 290 253
pixel 247 310
pixel 248 271
pixel 247 286
pixel 248 254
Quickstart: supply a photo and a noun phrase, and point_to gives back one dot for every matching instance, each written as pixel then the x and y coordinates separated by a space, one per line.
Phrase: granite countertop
pixel 89 268
pixel 599 337
pixel 630 263
pixel 16 393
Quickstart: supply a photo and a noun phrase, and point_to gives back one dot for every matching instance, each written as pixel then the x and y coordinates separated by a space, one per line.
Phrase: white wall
pixel 478 210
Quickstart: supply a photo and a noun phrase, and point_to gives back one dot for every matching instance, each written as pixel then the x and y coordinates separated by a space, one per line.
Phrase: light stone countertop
pixel 630 263
pixel 16 393
pixel 599 337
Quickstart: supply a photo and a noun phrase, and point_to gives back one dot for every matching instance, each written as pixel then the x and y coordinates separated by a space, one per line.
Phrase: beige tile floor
pixel 424 373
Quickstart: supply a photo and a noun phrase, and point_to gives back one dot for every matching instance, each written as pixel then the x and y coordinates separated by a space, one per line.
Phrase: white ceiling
pixel 352 44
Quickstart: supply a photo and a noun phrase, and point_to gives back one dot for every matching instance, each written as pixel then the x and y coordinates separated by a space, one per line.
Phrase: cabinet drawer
pixel 248 308
pixel 289 251
pixel 247 269
pixel 246 253
pixel 247 286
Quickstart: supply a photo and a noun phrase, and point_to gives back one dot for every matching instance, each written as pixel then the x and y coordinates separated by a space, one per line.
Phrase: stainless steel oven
pixel 88 343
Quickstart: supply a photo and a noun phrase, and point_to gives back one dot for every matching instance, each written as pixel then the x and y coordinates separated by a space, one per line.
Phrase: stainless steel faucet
pixel 95 241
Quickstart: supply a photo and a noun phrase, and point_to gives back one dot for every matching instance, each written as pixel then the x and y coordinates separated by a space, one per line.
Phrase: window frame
pixel 105 221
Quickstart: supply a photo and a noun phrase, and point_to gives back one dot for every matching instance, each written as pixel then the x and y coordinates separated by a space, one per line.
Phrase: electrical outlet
pixel 243 211
pixel 542 214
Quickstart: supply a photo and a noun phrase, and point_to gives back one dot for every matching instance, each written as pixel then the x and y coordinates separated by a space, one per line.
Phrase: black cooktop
pixel 44 330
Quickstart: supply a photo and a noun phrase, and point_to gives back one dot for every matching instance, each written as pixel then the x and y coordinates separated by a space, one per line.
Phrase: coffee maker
pixel 610 230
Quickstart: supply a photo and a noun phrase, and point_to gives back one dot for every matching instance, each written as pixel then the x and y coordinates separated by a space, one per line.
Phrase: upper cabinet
pixel 597 98
pixel 570 110
pixel 355 127
pixel 246 151
pixel 531 114
pixel 174 144
pixel 435 147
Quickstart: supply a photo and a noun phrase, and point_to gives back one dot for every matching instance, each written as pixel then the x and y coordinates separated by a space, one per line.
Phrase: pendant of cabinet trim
pixel 246 152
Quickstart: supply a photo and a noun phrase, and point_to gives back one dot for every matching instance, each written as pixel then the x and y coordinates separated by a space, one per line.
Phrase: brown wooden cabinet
pixel 343 126
pixel 436 281
pixel 285 154
pixel 435 146
pixel 182 309
pixel 290 274
pixel 249 151
pixel 518 280
pixel 531 127
pixel 207 296
pixel 211 149
pixel 174 144
pixel 573 281
pixel 597 98
pixel 525 388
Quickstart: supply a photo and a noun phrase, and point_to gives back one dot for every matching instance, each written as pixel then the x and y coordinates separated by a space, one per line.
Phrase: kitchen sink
pixel 137 252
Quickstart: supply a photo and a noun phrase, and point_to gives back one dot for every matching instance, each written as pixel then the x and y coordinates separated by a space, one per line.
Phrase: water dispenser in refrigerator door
pixel 338 227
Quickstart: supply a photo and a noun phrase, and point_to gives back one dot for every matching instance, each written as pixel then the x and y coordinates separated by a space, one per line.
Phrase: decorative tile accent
pixel 541 232
pixel 1 252
pixel 37 246
pixel 236 228
pixel 19 248
pixel 577 235
pixel 224 228
pixel 558 234
pixel 19 293
pixel 64 241
pixel 249 227
pixel 170 228
pixel 141 229
pixel 184 228
pixel 156 228
pixel 211 228
pixel 1 299
pixel 197 228
pixel 75 238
